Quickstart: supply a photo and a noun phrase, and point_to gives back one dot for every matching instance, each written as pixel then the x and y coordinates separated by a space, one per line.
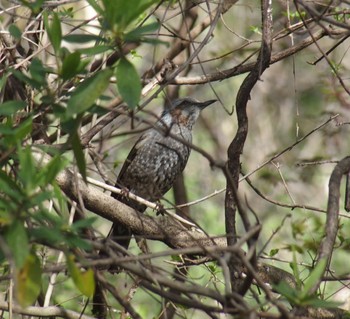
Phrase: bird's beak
pixel 203 105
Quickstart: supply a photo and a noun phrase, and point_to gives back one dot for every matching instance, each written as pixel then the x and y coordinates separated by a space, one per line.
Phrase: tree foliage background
pixel 265 236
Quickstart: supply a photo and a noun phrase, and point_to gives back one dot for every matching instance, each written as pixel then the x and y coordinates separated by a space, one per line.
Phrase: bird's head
pixel 184 111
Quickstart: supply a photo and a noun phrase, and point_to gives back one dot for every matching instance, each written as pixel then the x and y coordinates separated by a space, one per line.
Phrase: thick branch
pixel 166 229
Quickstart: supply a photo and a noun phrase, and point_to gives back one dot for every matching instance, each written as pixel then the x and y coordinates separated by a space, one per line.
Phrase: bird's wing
pixel 132 154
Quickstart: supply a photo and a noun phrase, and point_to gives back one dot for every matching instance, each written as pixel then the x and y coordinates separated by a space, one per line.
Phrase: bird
pixel 157 159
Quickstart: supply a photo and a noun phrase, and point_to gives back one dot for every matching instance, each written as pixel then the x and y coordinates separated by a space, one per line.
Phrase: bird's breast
pixel 158 162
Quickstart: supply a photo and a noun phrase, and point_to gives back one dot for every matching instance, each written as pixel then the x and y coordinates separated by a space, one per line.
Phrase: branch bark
pixel 236 147
pixel 326 248
pixel 42 312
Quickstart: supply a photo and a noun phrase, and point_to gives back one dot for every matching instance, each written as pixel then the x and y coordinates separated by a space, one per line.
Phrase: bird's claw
pixel 160 209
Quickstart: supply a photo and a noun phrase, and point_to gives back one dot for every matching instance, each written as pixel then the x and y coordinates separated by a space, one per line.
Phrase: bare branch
pixel 41 312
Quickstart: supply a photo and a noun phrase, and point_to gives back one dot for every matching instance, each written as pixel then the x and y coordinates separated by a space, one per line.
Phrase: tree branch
pixel 44 311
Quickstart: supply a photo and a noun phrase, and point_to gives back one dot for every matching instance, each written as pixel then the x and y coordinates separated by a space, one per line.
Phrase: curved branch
pixel 166 229
pixel 236 147
pixel 326 247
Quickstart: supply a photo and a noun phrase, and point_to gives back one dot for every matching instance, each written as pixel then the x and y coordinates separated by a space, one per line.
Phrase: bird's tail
pixel 120 233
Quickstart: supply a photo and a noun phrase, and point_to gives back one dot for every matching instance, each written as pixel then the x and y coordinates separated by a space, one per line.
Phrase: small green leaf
pixel 51 236
pixel 128 82
pixel 95 6
pixel 75 242
pixel 38 73
pixel 17 240
pixel 98 49
pixel 88 92
pixel 82 38
pixel 9 187
pixel 48 173
pixel 139 32
pixel 15 31
pixel 11 107
pixel 84 281
pixel 319 303
pixel 286 291
pixel 79 154
pixel 83 223
pixel 273 252
pixel 54 31
pixel 23 130
pixel 70 65
pixel 3 81
pixel 27 169
pixel 315 275
pixel 28 283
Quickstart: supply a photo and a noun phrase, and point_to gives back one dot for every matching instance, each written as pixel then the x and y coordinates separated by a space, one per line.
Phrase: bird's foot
pixel 160 209
pixel 124 192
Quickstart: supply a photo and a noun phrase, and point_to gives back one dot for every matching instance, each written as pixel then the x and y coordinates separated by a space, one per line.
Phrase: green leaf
pixel 38 72
pixel 120 13
pixel 28 283
pixel 11 107
pixel 88 92
pixel 46 235
pixel 286 291
pixel 27 169
pixel 96 7
pixel 70 65
pixel 98 49
pixel 315 275
pixel 319 303
pixel 139 32
pixel 3 81
pixel 35 6
pixel 77 242
pixel 54 31
pixel 17 240
pixel 9 187
pixel 84 281
pixel 15 31
pixel 79 154
pixel 83 223
pixel 23 130
pixel 128 82
pixel 48 173
pixel 82 38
